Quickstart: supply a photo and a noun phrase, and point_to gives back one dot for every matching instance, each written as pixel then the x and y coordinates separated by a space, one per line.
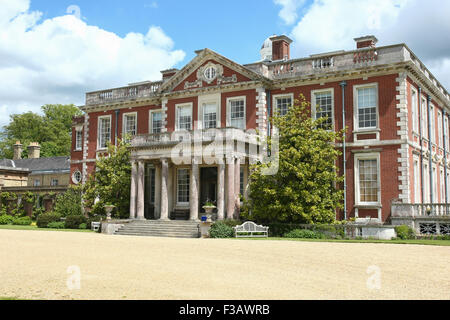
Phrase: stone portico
pixel 214 162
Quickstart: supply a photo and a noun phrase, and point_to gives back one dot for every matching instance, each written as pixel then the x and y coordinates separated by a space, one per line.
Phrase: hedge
pixel 24 221
pixel 221 230
pixel 44 219
pixel 74 221
pixel 6 219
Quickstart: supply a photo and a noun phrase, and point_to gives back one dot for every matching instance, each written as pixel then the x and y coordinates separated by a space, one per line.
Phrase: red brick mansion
pixel 395 152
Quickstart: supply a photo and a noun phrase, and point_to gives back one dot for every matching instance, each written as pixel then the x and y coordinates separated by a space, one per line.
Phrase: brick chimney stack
pixel 281 48
pixel 366 42
pixel 34 150
pixel 17 151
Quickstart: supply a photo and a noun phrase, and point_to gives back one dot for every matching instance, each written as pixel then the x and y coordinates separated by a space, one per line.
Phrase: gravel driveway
pixel 41 264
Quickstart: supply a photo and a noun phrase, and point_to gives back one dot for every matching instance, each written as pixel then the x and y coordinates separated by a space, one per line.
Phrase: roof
pixel 39 165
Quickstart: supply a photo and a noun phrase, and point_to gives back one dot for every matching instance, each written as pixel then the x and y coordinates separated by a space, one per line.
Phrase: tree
pixel 110 184
pixel 303 190
pixel 52 130
pixel 69 202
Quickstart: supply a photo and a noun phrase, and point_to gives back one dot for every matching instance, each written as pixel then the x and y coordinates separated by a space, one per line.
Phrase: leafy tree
pixel 303 190
pixel 110 184
pixel 69 203
pixel 52 130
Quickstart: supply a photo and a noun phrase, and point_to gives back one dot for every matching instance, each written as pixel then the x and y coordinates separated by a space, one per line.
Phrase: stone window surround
pixel 210 98
pixel 280 96
pixel 124 121
pixel 415 112
pixel 98 131
pixel 313 103
pixel 356 128
pixel 78 130
pixel 177 170
pixel 179 106
pixel 244 98
pixel 150 119
pixel 74 180
pixel 366 156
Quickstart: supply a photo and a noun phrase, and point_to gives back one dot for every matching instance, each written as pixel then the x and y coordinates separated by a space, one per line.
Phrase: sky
pixel 55 51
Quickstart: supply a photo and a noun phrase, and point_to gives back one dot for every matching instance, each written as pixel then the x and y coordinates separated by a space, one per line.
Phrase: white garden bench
pixel 250 229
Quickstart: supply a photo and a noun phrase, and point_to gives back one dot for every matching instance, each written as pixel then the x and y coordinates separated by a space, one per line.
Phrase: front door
pixel 208 186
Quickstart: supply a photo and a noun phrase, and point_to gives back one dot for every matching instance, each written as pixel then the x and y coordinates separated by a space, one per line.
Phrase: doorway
pixel 208 186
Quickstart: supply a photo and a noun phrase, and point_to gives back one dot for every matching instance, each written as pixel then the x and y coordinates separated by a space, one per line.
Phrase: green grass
pixel 35 228
pixel 419 241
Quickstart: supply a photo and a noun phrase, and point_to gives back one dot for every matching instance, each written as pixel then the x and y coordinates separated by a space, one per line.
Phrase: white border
pixel 210 98
pixel 178 203
pixel 229 110
pixel 124 122
pixel 150 119
pixel 415 115
pixel 355 107
pixel 98 131
pixel 366 156
pixel 313 103
pixel 278 96
pixel 183 105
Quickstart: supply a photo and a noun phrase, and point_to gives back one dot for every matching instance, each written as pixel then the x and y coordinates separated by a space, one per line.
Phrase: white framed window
pixel 439 120
pixel 323 107
pixel 282 103
pixel 79 139
pixel 442 184
pixel 424 108
pixel 448 185
pixel 367 179
pixel 414 111
pixel 366 106
pixel 54 182
pixel 77 177
pixel 417 194
pixel 446 133
pixel 129 124
pixel 209 115
pixel 184 117
pixel 236 112
pixel 432 125
pixel 183 179
pixel 104 132
pixel 435 183
pixel 426 182
pixel 210 73
pixel 156 121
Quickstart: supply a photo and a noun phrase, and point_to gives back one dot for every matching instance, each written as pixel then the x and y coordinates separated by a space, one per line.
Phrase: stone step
pixel 158 228
pixel 164 235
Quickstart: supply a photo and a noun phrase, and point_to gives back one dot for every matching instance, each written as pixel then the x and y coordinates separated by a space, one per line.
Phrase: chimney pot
pixel 281 48
pixel 366 42
pixel 34 150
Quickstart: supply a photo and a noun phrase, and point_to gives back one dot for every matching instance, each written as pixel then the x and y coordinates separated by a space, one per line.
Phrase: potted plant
pixel 109 208
pixel 209 208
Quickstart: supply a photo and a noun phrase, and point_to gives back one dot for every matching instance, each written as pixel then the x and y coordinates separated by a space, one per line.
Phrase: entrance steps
pixel 158 228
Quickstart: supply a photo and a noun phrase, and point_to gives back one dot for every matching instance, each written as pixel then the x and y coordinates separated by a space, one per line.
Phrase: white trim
pixel 178 203
pixel 98 131
pixel 278 96
pixel 416 185
pixel 356 127
pixel 210 98
pixel 78 147
pixel 366 156
pixel 73 177
pixel 415 115
pixel 124 121
pixel 150 119
pixel 313 104
pixel 183 105
pixel 229 110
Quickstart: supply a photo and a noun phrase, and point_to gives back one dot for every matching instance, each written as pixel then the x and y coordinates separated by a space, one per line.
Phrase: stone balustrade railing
pixel 133 92
pixel 420 210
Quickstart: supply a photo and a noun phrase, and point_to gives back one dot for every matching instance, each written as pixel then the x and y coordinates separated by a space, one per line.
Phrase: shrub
pixel 444 237
pixel 44 219
pixel 24 221
pixel 82 226
pixel 69 202
pixel 6 219
pixel 405 232
pixel 304 234
pixel 221 230
pixel 56 225
pixel 232 223
pixel 73 222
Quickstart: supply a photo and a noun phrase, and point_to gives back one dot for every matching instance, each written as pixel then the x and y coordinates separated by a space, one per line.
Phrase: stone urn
pixel 209 211
pixel 109 208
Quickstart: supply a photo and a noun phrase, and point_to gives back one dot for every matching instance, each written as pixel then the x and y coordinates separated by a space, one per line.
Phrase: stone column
pixel 231 196
pixel 193 190
pixel 157 191
pixel 164 190
pixel 221 191
pixel 133 190
pixel 141 191
pixel 237 187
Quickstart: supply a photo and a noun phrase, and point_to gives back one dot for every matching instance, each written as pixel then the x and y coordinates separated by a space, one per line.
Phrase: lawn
pixel 417 241
pixel 35 228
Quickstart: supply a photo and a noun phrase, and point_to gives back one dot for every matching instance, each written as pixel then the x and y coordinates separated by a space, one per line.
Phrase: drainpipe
pixel 117 127
pixel 269 109
pixel 430 148
pixel 343 84
pixel 421 144
pixel 444 115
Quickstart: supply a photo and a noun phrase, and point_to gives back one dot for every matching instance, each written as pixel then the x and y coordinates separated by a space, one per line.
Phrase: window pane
pixel 209 116
pixel 237 116
pixel 184 118
pixel 324 109
pixel 283 105
pixel 105 132
pixel 367 107
pixel 368 180
pixel 183 185
pixel 156 122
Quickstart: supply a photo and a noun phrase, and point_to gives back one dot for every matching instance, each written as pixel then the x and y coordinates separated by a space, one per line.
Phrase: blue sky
pixel 49 54
pixel 233 28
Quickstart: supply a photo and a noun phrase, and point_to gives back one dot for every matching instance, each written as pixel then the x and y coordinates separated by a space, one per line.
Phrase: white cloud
pixel 289 9
pixel 330 25
pixel 57 60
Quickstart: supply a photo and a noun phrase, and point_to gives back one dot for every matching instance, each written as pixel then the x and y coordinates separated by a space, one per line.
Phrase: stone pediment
pixel 209 69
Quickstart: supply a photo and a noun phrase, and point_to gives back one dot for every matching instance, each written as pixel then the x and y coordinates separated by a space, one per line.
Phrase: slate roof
pixel 57 164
